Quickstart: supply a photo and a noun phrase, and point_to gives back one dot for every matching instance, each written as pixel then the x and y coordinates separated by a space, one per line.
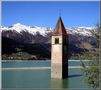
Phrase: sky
pixel 46 14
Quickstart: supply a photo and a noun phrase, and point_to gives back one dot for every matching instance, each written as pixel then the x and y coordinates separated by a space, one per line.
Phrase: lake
pixel 40 78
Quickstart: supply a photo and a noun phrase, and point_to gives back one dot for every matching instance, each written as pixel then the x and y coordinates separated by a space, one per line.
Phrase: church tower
pixel 59 59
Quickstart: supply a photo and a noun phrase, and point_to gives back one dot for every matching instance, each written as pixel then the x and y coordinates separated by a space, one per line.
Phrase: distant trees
pixel 97 33
pixel 92 72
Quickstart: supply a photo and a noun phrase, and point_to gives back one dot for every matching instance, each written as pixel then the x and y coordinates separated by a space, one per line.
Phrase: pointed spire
pixel 59 29
pixel 59 12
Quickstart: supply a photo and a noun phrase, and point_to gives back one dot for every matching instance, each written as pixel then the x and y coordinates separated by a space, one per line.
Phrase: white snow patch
pixel 85 31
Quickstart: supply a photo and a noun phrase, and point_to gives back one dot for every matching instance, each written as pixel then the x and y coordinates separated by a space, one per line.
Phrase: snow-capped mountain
pixel 36 34
pixel 19 28
pixel 32 30
pixel 85 31
pixel 36 40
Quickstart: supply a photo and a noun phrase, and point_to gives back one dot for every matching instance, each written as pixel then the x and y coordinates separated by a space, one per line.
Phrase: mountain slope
pixel 36 40
pixel 37 34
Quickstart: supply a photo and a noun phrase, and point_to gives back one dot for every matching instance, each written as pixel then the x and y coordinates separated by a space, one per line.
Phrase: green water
pixel 40 78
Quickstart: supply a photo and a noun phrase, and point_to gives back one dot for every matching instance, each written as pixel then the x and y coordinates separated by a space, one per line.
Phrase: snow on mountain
pixel 33 30
pixel 85 31
pixel 83 27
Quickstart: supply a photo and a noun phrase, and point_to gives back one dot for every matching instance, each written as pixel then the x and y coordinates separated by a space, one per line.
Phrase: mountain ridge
pixel 44 30
pixel 32 39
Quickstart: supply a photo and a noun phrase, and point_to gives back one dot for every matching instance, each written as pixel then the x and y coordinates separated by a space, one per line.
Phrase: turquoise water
pixel 40 78
pixel 37 63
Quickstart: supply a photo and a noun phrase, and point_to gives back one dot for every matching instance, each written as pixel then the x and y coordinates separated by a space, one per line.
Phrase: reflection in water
pixel 63 83
pixel 59 83
pixel 76 75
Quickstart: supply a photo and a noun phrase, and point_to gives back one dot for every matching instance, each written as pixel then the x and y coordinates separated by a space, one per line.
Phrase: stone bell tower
pixel 59 59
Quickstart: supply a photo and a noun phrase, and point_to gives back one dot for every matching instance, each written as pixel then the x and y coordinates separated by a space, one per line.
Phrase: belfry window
pixel 56 40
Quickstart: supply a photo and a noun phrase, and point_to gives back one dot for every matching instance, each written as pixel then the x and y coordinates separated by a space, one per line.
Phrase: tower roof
pixel 59 28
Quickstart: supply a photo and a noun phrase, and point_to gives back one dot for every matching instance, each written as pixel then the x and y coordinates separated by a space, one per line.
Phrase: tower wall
pixel 57 57
pixel 56 63
pixel 59 60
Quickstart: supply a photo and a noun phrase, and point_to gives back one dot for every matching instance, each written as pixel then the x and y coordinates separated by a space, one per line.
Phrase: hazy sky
pixel 74 14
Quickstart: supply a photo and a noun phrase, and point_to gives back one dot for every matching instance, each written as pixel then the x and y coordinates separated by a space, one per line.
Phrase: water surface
pixel 40 78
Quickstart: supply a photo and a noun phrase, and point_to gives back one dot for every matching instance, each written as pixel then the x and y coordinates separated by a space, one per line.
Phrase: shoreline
pixel 21 60
pixel 37 68
pixel 38 60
